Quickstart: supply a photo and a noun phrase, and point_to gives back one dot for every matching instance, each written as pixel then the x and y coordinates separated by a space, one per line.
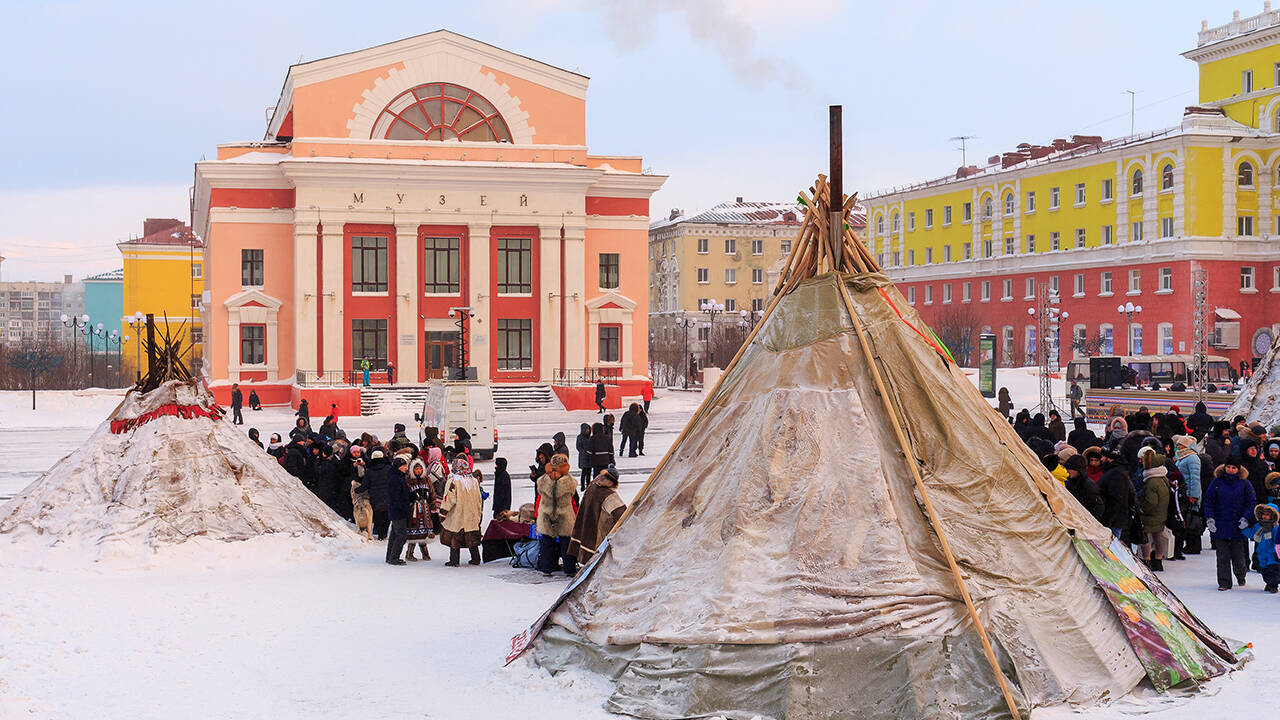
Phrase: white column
pixel 1179 193
pixel 548 329
pixel 1120 192
pixel 1262 179
pixel 1228 194
pixel 233 344
pixel 575 282
pixel 408 289
pixel 304 296
pixel 1150 200
pixel 332 293
pixel 482 326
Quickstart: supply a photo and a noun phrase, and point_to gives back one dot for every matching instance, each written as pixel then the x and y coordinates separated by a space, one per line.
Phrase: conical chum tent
pixel 1259 399
pixel 846 529
pixel 162 469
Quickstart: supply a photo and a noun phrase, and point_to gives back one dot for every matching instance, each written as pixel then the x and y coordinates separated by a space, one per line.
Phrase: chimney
pixel 993 159
pixel 155 225
pixel 66 279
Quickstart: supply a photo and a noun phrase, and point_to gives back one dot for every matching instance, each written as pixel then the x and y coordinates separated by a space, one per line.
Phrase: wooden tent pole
pixel 910 457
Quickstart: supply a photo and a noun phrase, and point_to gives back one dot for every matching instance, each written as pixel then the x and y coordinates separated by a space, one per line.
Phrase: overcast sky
pixel 109 104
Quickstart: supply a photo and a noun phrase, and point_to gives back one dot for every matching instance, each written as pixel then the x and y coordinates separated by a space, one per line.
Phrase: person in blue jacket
pixel 1228 507
pixel 1263 534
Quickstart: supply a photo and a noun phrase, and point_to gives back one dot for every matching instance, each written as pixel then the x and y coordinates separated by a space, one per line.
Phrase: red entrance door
pixel 442 352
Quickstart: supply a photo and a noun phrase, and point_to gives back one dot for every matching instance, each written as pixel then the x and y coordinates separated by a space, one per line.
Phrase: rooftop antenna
pixel 1132 95
pixel 964 159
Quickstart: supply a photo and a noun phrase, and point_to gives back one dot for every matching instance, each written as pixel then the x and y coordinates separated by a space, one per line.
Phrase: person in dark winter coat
pixel 1037 429
pixel 1081 487
pixel 255 437
pixel 461 441
pixel 377 472
pixel 398 438
pixel 297 461
pixel 642 420
pixel 600 394
pixel 1227 506
pixel 1153 507
pixel 304 412
pixel 237 404
pixel 1022 423
pixel 254 402
pixel 275 448
pixel 1118 495
pixel 399 505
pixel 1057 428
pixel 1254 466
pixel 540 460
pixel 330 475
pixel 501 487
pixel 600 510
pixel 1200 422
pixel 558 446
pixel 583 446
pixel 329 428
pixel 1218 444
pixel 1004 402
pixel 608 428
pixel 601 449
pixel 630 429
pixel 1081 437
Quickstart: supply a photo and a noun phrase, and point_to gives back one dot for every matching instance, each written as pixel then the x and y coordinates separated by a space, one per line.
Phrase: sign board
pixel 406 338
pixel 987 365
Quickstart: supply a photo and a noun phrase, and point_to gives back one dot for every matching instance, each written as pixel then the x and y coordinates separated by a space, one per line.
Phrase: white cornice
pixel 250 215
pixel 429 145
pixel 1234 45
pixel 228 173
pixel 618 222
pixel 628 185
pixel 468 174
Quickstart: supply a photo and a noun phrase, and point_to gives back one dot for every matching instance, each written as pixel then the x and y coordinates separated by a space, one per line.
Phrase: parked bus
pixel 1156 382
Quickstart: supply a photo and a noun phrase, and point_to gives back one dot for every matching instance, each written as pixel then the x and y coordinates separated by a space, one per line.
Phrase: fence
pixel 586 376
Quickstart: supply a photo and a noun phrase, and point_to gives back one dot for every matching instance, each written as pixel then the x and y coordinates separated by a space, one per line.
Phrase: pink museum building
pixel 401 183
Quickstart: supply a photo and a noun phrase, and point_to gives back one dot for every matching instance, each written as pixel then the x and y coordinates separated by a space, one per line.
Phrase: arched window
pixel 1244 178
pixel 1137 182
pixel 1008 204
pixel 895 222
pixel 440 111
pixel 987 209
pixel 1166 177
pixel 879 224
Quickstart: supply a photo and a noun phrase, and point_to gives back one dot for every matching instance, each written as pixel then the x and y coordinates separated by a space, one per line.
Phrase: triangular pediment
pixel 611 300
pixel 252 298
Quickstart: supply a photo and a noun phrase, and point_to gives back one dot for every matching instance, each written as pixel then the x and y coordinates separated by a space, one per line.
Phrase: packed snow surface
pixel 286 627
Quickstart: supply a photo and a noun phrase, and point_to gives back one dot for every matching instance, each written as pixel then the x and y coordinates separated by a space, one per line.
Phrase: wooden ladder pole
pixel 910 457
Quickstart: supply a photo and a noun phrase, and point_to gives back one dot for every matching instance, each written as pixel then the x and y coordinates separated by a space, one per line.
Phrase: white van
pixel 462 404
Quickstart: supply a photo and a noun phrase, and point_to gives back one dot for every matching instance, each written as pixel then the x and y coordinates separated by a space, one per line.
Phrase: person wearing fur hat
pixel 1153 507
pixel 1093 464
pixel 1081 487
pixel 399 506
pixel 1228 502
pixel 1117 430
pixel 377 471
pixel 1263 534
pixel 1250 459
pixel 1081 437
pixel 462 511
pixel 600 510
pixel 423 511
pixel 1118 494
pixel 557 511
pixel 1273 488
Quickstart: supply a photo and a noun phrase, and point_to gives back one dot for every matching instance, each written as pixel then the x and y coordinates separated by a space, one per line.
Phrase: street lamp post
pixel 92 333
pixel 1129 310
pixel 711 307
pixel 686 322
pixel 75 324
pixel 111 337
pixel 138 322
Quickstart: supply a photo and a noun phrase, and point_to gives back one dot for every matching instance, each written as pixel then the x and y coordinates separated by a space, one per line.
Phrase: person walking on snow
pixel 600 395
pixel 254 402
pixel 461 509
pixel 1263 534
pixel 237 404
pixel 556 507
pixel 365 367
pixel 399 506
pixel 1228 503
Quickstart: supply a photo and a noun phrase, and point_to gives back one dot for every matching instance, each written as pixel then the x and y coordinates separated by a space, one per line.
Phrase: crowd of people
pixel 414 496
pixel 1159 481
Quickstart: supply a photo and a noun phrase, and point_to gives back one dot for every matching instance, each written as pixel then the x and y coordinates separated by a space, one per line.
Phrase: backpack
pixel 524 554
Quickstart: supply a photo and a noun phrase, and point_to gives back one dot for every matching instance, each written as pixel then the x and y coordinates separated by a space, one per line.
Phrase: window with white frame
pixel 1104 283
pixel 1053 198
pixel 986 248
pixel 1029 342
pixel 1244 225
pixel 895 223
pixel 1079 340
pixel 1107 189
pixel 897 258
pixel 1166 177
pixel 1135 339
pixel 985 287
pixel 911 257
pixel 946 293
pixel 988 208
pixel 946 214
pixel 1246 278
pixel 704 275
pixel 1031 201
pixel 1275 279
pixel 967 214
pixel 1136 184
pixel 1031 244
pixel 1246 82
pixel 1010 246
pixel 757 276
pixel 946 253
pixel 730 276
pixel 928 256
pixel 757 304
pixel 1053 285
pixel 1244 176
pixel 1164 335
pixel 1275 81
pixel 1108 235
pixel 928 218
pixel 1135 281
pixel 967 251
pixel 1135 234
pixel 1078 289
pixel 1166 280
pixel 1166 227
pixel 928 294
pixel 1107 334
pixel 703 244
pixel 757 247
pixel 786 247
pixel 879 224
pixel 911 295
pixel 730 304
pixel 730 246
pixel 1008 204
pixel 911 221
pixel 1031 289
pixel 966 292
pixel 1006 344
pixel 1080 238
pixel 1055 241
pixel 1079 194
pixel 1006 288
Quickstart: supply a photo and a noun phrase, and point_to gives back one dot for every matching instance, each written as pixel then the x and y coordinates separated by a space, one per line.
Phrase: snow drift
pixel 161 470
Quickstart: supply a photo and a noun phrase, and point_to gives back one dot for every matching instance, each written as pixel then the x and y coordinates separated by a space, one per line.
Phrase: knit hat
pixel 1275 430
pixel 1075 462
pixel 376 454
pixel 1184 440
pixel 1065 453
pixel 1152 460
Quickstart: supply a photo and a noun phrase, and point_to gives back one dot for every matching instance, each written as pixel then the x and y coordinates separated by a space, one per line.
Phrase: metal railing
pixel 324 378
pixel 586 376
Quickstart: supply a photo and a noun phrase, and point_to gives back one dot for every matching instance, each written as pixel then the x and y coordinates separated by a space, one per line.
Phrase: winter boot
pixel 454 556
pixel 408 552
pixel 1271 589
pixel 475 557
pixel 1157 565
pixel 426 555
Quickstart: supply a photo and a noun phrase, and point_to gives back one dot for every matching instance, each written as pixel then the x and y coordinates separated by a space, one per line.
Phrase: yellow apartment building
pixel 163 275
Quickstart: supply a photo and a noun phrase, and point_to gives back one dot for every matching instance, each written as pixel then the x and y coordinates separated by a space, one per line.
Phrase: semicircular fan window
pixel 440 111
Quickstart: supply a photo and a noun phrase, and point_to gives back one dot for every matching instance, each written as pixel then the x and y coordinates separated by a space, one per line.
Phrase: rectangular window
pixel 1053 198
pixel 757 276
pixel 1079 193
pixel 730 305
pixel 786 247
pixel 702 246
pixel 197 335
pixel 251 268
pixel 1108 340
pixel 968 251
pixel 1136 235
pixel 1108 235
pixel 1135 340
pixel 1079 285
pixel 968 212
pixel 1053 285
pixel 515 266
pixel 757 247
pixel 946 253
pixel 515 344
pixel 197 271
pixel 897 258
pixel 1166 227
pixel 757 304
pixel 946 214
pixel 928 218
pixel 911 257
pixel 1080 238
pixel 1246 82
pixel 441 265
pixel 730 276
pixel 195 301
pixel 928 256
pixel 1009 246
pixel 1031 244
pixel 704 275
pixel 610 341
pixel 1031 201
pixel 946 293
pixel 928 294
pixel 911 221
pixel 609 271
pixel 1107 188
pixel 911 295
pixel 1166 279
pixel 1244 225
pixel 1135 281
pixel 1275 81
pixel 369 339
pixel 253 344
pixel 1031 288
pixel 1055 241
pixel 1246 278
pixel 966 292
pixel 730 246
pixel 986 248
pixel 1104 283
pixel 1165 333
pixel 986 290
pixel 1275 278
pixel 368 264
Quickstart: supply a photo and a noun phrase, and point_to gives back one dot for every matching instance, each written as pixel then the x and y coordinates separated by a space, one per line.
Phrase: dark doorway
pixel 442 352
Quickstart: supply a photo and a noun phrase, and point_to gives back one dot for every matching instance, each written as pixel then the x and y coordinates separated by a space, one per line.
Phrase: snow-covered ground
pixel 284 629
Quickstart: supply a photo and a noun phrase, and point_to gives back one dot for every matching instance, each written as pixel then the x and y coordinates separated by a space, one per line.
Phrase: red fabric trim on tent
pixel 927 339
pixel 186 412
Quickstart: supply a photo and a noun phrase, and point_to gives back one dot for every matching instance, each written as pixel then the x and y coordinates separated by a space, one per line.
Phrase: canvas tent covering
pixel 160 470
pixel 783 561
pixel 1259 399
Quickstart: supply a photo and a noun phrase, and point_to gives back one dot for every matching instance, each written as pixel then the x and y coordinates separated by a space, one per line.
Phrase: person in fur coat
pixel 557 511
pixel 423 512
pixel 461 509
pixel 600 510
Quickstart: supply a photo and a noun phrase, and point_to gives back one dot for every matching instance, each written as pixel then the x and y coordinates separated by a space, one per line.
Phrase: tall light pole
pixel 92 333
pixel 138 322
pixel 1129 310
pixel 685 322
pixel 75 324
pixel 711 307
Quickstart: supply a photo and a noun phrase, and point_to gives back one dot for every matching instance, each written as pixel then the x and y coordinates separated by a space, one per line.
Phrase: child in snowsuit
pixel 1263 533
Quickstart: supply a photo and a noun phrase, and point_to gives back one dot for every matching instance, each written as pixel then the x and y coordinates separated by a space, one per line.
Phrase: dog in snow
pixel 362 511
